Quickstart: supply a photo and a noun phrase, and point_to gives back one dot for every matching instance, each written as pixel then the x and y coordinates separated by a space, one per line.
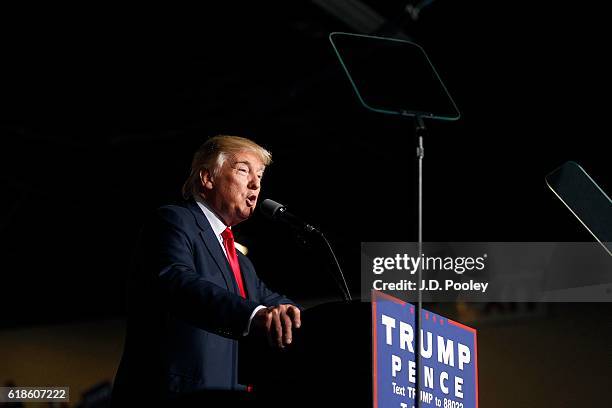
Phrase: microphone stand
pixel 277 211
pixel 339 278
pixel 346 294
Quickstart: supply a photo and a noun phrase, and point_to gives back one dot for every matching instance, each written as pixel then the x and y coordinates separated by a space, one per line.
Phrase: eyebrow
pixel 248 163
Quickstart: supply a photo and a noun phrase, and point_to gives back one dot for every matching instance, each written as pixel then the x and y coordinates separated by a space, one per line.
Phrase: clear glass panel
pixel 393 76
pixel 585 199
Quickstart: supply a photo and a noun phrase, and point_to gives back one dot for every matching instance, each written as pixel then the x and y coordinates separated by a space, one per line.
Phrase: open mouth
pixel 251 200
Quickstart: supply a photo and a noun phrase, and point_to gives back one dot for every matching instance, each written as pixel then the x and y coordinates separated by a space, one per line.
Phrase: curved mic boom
pixel 277 211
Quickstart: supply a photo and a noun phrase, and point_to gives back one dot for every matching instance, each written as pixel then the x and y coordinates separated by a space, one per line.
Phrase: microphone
pixel 277 211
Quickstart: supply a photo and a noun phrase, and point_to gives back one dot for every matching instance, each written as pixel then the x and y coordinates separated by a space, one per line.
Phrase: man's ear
pixel 206 180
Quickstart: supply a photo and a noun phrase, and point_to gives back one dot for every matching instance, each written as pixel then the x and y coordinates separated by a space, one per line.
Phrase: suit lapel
pixel 248 278
pixel 212 244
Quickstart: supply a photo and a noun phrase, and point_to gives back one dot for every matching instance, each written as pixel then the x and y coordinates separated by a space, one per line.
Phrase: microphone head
pixel 269 208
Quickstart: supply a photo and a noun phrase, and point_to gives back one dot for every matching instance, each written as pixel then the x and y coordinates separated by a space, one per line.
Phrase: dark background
pixel 102 109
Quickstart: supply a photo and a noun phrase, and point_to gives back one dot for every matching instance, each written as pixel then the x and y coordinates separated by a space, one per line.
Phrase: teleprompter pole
pixel 420 132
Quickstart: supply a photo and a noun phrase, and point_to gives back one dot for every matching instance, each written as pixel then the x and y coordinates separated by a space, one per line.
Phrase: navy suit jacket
pixel 184 310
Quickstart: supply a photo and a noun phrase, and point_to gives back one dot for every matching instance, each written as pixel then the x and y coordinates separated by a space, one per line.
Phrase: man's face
pixel 233 192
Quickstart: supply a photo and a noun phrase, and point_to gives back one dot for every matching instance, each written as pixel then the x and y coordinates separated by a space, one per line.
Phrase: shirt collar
pixel 215 222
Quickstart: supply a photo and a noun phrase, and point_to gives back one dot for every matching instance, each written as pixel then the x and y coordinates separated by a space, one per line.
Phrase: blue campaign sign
pixel 448 376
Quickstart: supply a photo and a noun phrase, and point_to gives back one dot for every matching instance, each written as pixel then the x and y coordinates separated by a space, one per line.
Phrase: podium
pixel 328 363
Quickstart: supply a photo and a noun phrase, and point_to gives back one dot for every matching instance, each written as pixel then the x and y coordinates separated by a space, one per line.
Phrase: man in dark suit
pixel 191 294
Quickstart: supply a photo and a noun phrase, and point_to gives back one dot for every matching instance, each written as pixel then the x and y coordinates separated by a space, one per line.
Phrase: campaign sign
pixel 448 374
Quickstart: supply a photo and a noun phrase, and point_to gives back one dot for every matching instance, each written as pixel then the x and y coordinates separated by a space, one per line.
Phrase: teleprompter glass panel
pixel 585 199
pixel 393 76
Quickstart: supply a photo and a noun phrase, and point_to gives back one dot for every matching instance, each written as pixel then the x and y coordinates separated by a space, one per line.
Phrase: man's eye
pixel 243 170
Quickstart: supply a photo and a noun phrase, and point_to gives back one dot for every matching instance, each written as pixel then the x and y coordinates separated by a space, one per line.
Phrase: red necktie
pixel 230 249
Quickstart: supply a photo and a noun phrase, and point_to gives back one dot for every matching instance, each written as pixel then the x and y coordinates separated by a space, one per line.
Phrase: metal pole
pixel 420 130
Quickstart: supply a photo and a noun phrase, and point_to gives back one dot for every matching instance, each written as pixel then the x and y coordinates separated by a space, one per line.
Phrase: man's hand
pixel 277 323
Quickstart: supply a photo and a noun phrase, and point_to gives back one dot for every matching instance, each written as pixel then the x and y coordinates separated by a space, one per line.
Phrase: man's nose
pixel 255 183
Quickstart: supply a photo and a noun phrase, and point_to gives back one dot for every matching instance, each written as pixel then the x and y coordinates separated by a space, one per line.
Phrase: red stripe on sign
pixel 374 356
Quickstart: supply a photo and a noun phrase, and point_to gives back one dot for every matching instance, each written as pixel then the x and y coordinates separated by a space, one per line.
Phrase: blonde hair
pixel 211 155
